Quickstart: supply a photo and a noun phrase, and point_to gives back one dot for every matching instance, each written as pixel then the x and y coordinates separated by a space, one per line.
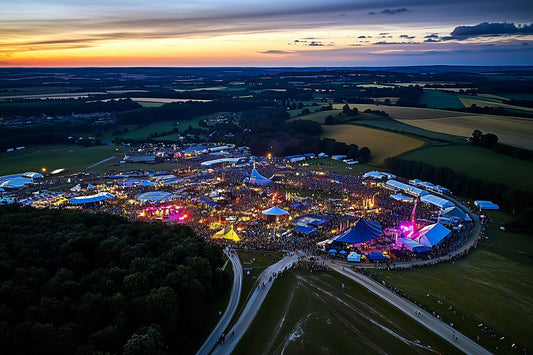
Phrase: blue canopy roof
pixel 375 255
pixel 363 231
pixel 306 230
pixel 92 198
pixel 258 179
pixel 154 196
pixel 432 235
pixel 275 211
pixel 410 243
pixel 208 202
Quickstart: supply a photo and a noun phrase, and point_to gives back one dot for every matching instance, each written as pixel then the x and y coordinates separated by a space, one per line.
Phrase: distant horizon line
pixel 277 67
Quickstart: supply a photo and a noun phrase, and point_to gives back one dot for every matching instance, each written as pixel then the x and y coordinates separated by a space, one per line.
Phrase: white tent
pixel 436 201
pixel 432 235
pixel 275 211
pixel 353 256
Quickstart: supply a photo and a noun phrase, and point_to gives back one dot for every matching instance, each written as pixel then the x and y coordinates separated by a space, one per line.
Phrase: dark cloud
pixel 490 29
pixel 315 44
pixel 431 40
pixel 383 33
pixel 361 37
pixel 433 35
pixel 275 51
pixel 387 43
pixel 407 36
pixel 389 11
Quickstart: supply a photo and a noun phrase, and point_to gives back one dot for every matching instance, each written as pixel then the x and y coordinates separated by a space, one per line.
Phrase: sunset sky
pixel 39 33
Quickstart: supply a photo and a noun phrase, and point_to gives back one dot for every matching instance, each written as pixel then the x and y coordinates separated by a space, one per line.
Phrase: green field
pixel 439 99
pixel 72 157
pixel 309 313
pixel 478 163
pixel 382 144
pixel 492 286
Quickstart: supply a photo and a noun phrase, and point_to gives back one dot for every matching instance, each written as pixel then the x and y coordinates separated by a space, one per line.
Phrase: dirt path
pixel 437 326
pixel 253 305
pixel 223 323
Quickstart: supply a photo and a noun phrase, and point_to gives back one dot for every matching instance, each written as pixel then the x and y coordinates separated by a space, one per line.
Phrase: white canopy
pixel 275 211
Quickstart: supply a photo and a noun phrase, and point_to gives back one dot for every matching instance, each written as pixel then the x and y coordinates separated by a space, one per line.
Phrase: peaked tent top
pixel 227 233
pixel 275 211
pixel 363 231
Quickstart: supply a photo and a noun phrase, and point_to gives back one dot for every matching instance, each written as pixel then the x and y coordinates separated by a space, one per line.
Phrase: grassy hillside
pixel 382 144
pixel 478 163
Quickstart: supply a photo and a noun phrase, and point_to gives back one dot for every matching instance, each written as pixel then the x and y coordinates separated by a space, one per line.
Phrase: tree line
pixel 514 201
pixel 64 107
pixel 270 130
pixel 80 283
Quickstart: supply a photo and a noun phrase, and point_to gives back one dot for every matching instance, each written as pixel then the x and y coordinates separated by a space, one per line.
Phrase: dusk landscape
pixel 346 177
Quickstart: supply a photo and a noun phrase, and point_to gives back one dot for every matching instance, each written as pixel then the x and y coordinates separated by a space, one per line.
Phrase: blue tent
pixel 258 179
pixel 274 211
pixel 208 202
pixel 374 255
pixel 363 231
pixel 154 196
pixel 332 251
pixel 101 196
pixel 343 252
pixel 306 230
pixel 432 235
pixel 353 256
pixel 422 249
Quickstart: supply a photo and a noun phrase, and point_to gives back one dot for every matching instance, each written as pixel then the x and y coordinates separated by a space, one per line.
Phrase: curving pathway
pixel 253 305
pixel 437 326
pixel 223 323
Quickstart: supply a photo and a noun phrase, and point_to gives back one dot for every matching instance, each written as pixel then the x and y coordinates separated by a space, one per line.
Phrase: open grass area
pixel 382 144
pixel 156 127
pixel 478 163
pixel 72 157
pixel 490 102
pixel 492 286
pixel 337 166
pixel 390 124
pixel 401 112
pixel 510 130
pixel 440 99
pixel 309 313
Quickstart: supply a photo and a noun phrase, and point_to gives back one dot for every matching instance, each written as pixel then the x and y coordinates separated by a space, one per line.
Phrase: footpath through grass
pixel 253 262
pixel 492 286
pixel 310 313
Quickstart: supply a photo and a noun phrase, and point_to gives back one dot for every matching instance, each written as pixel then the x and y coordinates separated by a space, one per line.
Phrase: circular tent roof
pixel 154 196
pixel 275 211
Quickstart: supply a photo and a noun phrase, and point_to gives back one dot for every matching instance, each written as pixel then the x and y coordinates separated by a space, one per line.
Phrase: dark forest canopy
pixel 80 283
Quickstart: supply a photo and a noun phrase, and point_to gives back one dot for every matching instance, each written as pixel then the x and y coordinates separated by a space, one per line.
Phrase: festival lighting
pixel 408 229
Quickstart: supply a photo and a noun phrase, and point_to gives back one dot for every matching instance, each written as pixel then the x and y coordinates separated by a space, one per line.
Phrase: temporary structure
pixel 227 233
pixel 275 211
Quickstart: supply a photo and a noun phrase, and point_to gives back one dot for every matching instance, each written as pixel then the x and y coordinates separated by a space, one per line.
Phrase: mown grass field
pixel 478 163
pixel 492 286
pixel 514 131
pixel 510 130
pixel 73 157
pixel 382 144
pixel 309 313
pixel 440 99
pixel 490 102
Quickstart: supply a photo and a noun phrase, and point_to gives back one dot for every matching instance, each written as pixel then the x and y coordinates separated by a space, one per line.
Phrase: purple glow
pixel 408 229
